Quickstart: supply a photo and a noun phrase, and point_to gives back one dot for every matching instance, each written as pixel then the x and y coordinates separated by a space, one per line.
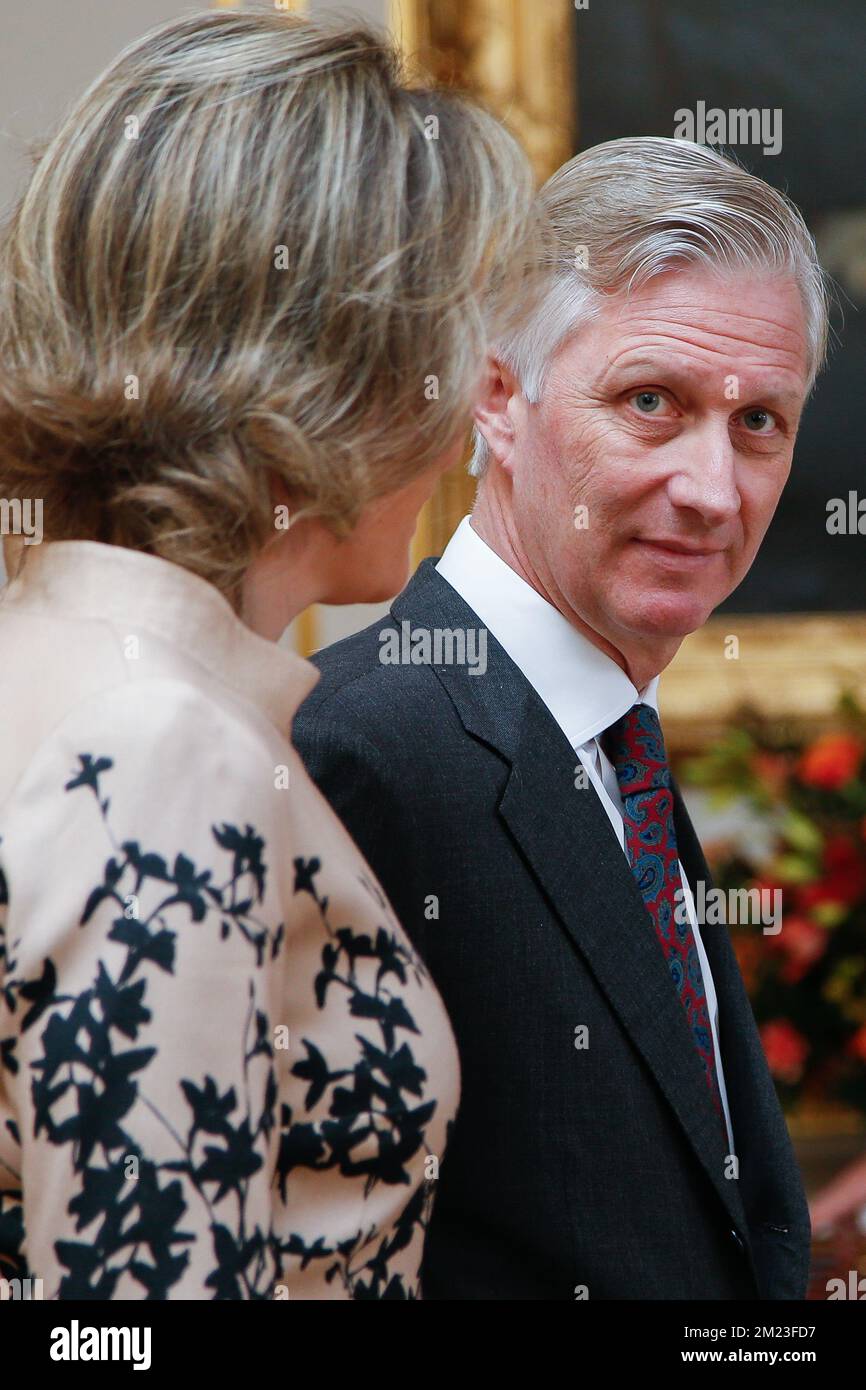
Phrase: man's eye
pixel 759 421
pixel 649 402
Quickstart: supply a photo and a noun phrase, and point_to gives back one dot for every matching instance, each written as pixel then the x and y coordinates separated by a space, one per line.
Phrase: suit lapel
pixel 568 840
pixel 570 846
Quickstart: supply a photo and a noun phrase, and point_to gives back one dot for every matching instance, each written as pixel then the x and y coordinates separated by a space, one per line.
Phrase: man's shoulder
pixel 376 665
pixel 350 659
pixel 360 685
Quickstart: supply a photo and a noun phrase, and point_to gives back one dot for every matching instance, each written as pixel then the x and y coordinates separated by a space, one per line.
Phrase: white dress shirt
pixel 584 689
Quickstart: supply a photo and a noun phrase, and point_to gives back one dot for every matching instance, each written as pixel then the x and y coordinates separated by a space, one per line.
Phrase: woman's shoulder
pixel 155 733
pixel 124 649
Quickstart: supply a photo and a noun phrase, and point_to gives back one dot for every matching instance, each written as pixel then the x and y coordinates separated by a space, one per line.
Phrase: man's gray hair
pixel 628 210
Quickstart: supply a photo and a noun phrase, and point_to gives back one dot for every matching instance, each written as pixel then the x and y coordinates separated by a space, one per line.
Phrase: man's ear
pixel 492 415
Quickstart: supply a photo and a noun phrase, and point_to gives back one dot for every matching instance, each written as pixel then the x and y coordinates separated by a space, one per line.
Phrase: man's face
pixel 671 419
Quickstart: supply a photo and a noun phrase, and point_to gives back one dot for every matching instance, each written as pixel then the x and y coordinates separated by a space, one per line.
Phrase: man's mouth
pixel 681 553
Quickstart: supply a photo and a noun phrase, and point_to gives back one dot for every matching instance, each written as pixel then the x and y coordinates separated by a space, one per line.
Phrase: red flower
pixel 857 1045
pixel 844 877
pixel 831 761
pixel 802 942
pixel 786 1050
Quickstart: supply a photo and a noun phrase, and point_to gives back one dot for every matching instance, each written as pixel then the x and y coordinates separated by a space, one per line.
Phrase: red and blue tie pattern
pixel 636 748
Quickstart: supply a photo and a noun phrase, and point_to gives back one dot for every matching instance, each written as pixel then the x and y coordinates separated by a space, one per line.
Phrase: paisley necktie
pixel 636 748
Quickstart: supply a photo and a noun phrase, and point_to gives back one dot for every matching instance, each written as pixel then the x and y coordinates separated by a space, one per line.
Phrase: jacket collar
pixel 584 688
pixel 138 592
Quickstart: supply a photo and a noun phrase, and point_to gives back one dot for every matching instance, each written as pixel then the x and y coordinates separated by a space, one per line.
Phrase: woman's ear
pixel 492 415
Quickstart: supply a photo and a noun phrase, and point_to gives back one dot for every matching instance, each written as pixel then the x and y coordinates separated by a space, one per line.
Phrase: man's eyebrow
pixel 649 365
pixel 649 369
pixel 657 370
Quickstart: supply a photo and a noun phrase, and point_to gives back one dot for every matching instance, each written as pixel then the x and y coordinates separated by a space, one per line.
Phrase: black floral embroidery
pixel 92 1075
pixel 367 1102
pixel 89 1080
pixel 7 967
pixel 12 1264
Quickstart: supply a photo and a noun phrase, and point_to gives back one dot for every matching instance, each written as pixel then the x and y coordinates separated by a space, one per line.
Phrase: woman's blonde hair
pixel 250 247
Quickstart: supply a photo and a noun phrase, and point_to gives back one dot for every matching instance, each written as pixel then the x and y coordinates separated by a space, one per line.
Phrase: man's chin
pixel 665 615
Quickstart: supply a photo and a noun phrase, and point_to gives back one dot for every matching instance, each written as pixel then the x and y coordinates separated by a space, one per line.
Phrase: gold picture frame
pixel 514 57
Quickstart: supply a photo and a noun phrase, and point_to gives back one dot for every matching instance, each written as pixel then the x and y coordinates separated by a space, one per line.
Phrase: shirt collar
pixel 584 689
pixel 142 592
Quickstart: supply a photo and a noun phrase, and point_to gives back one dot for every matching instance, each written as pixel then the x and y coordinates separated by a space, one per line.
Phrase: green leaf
pixel 793 868
pixel 802 833
pixel 830 914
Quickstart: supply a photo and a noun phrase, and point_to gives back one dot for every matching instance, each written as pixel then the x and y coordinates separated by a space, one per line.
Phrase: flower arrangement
pixel 807 982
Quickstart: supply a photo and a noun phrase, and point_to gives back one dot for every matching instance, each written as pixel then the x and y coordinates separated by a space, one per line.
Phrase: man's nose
pixel 705 480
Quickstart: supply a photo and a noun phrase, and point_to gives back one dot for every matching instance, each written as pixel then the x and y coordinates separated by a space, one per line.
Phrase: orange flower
pixel 749 951
pixel 772 770
pixel 786 1050
pixel 831 761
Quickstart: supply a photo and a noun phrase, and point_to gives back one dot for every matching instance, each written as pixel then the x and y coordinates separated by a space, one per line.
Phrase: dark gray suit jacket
pixel 602 1167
